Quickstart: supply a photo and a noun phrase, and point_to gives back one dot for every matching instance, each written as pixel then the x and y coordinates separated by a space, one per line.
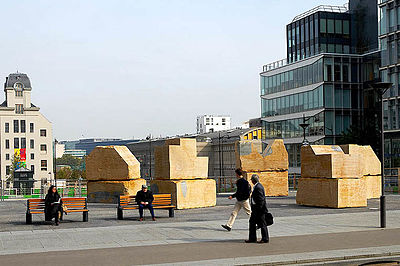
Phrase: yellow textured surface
pixel 250 159
pixel 275 183
pixel 177 159
pixel 370 164
pixel 187 194
pixel 108 191
pixel 333 193
pixel 329 161
pixel 374 186
pixel 112 163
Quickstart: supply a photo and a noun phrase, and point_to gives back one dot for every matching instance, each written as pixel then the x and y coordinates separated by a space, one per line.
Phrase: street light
pixel 148 138
pixel 381 88
pixel 55 161
pixel 304 125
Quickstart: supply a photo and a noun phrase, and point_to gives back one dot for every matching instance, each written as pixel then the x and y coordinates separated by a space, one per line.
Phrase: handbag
pixel 269 219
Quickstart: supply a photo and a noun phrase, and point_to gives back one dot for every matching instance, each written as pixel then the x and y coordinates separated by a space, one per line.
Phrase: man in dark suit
pixel 144 198
pixel 258 211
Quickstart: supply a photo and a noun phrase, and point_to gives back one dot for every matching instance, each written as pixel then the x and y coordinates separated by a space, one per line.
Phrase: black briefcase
pixel 269 219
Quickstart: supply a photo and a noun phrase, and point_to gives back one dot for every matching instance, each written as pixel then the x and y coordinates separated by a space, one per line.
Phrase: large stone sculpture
pixel 338 176
pixel 112 171
pixel 181 173
pixel 271 165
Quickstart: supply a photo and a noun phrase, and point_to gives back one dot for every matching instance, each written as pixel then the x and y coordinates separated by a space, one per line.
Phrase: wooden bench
pixel 161 201
pixel 36 206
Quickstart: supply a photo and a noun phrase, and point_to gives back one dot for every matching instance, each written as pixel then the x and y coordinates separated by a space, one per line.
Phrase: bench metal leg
pixel 85 216
pixel 171 212
pixel 120 215
pixel 28 218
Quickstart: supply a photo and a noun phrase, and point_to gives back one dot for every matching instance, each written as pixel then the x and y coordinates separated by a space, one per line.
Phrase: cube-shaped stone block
pixel 108 191
pixel 370 164
pixel 332 192
pixel 188 194
pixel 275 183
pixel 329 161
pixel 251 158
pixel 177 159
pixel 112 163
pixel 373 185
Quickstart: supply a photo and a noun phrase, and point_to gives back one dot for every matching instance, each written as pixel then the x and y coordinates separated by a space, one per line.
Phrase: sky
pixel 126 69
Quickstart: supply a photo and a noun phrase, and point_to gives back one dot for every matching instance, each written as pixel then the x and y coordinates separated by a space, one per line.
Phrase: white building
pixel 24 131
pixel 213 123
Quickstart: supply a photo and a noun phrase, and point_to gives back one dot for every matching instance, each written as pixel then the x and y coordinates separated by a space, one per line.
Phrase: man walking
pixel 242 199
pixel 258 211
pixel 144 199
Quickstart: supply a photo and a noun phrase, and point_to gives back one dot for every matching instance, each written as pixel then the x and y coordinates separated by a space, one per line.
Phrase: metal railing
pixel 66 188
pixel 325 8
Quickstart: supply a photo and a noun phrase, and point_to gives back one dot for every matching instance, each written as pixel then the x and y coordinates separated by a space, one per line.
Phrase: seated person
pixel 144 198
pixel 52 204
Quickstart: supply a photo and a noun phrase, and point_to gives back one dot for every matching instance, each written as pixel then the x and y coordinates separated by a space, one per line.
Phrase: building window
pixel 23 143
pixel 7 156
pixel 7 128
pixel 19 109
pixel 7 144
pixel 23 126
pixel 43 132
pixel 32 156
pixel 31 130
pixel 16 126
pixel 18 93
pixel 43 147
pixel 16 143
pixel 43 165
pixel 7 170
pixel 32 143
pixel 33 168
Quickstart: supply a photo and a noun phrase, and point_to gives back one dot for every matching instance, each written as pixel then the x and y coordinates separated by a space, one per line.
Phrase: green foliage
pixel 72 161
pixel 14 166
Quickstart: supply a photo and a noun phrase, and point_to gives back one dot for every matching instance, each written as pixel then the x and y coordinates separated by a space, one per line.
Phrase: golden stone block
pixel 108 191
pixel 112 163
pixel 251 158
pixel 177 159
pixel 332 192
pixel 329 161
pixel 369 162
pixel 373 186
pixel 188 194
pixel 275 183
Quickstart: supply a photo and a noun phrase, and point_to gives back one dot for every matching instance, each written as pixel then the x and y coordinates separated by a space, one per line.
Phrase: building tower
pixel 24 132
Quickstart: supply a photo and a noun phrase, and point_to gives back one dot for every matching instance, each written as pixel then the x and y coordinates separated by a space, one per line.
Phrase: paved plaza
pixel 299 234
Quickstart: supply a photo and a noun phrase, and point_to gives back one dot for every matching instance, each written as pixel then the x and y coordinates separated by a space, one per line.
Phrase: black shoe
pixel 250 241
pixel 263 241
pixel 226 227
pixel 57 223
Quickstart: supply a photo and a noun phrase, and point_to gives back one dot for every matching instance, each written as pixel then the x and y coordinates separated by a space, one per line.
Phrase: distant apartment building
pixel 332 57
pixel 25 133
pixel 212 123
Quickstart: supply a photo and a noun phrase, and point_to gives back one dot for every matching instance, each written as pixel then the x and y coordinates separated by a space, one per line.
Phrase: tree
pixel 64 173
pixel 14 166
pixel 72 161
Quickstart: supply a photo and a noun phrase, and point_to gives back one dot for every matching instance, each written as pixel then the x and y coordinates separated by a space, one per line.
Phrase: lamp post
pixel 381 88
pixel 149 140
pixel 304 125
pixel 55 161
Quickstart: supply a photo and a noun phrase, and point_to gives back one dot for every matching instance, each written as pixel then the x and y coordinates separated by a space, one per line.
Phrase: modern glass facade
pixel 389 41
pixel 318 33
pixel 324 79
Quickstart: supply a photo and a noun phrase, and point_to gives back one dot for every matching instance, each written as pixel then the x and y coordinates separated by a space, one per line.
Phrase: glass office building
pixel 389 41
pixel 323 77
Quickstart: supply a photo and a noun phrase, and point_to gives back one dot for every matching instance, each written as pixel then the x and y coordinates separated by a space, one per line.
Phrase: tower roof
pixel 17 77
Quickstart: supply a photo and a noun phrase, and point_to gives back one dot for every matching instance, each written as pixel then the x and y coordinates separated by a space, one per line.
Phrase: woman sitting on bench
pixel 52 205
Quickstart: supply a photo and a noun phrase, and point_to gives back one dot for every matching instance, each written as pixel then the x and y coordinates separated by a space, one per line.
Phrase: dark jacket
pixel 50 210
pixel 144 196
pixel 243 189
pixel 258 203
